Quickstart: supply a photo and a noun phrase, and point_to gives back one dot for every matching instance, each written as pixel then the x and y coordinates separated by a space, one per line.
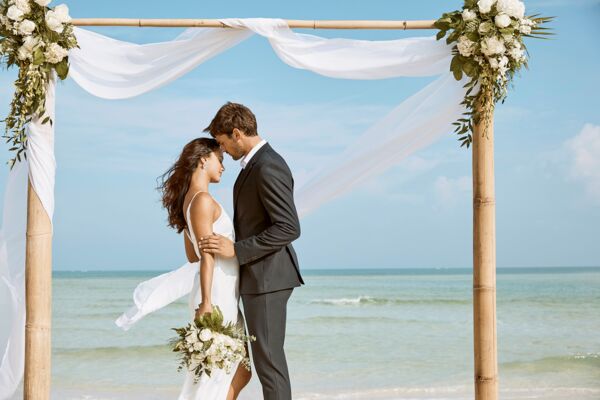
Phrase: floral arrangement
pixel 489 50
pixel 207 344
pixel 37 39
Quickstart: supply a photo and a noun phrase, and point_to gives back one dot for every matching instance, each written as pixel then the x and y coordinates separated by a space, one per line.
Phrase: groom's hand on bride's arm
pixel 217 244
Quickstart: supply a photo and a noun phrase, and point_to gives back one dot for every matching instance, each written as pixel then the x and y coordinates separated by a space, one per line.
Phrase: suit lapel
pixel 244 173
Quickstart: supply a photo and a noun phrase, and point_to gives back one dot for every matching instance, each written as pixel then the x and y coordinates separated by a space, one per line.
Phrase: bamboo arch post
pixel 38 292
pixel 39 235
pixel 484 257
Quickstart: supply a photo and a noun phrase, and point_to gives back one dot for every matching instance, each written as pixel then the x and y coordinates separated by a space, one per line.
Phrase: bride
pixel 192 210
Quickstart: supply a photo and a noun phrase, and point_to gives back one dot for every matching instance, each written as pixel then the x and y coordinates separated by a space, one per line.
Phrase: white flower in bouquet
pixel 465 46
pixel 468 15
pixel 526 21
pixel 43 3
pixel 479 60
pixel 23 5
pixel 485 27
pixel 205 335
pixel 485 6
pixel 5 22
pixel 492 45
pixel 14 13
pixel 502 20
pixel 26 27
pixel 191 338
pixel 198 346
pixel 54 22
pixel 493 62
pixel 29 45
pixel 525 29
pixel 503 64
pixel 62 13
pixel 514 8
pixel 517 53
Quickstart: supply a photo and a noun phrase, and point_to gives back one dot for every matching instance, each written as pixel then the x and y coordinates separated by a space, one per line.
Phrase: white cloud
pixel 451 191
pixel 584 151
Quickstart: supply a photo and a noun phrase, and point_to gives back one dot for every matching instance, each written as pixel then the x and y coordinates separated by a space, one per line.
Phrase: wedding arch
pixel 114 69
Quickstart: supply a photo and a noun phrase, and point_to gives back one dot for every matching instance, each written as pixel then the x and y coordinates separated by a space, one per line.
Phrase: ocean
pixel 351 334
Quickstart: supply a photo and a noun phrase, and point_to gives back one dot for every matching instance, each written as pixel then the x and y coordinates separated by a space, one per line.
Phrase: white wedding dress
pixel 225 293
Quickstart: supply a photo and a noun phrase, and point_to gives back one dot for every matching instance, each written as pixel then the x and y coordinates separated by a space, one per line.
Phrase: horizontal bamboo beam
pixel 292 23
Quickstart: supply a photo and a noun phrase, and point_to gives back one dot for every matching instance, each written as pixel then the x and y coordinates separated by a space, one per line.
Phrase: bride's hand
pixel 203 308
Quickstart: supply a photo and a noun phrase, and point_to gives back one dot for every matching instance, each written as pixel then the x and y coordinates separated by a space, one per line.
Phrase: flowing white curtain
pixel 114 69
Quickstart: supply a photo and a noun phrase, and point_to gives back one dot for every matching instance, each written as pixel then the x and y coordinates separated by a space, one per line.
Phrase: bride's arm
pixel 202 216
pixel 190 253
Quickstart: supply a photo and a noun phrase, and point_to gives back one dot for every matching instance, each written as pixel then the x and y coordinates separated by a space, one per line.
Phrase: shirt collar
pixel 251 154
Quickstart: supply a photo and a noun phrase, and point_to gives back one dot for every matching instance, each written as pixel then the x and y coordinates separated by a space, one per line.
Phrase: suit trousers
pixel 266 318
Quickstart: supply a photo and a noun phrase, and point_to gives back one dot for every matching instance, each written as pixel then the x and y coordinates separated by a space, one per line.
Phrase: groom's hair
pixel 230 116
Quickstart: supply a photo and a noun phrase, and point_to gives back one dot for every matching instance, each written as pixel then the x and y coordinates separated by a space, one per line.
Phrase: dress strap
pixel 191 201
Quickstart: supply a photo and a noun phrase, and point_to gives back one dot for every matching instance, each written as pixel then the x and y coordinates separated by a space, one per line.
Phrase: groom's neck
pixel 251 141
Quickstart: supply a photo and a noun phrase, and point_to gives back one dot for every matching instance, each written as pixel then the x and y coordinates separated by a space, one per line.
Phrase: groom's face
pixel 231 144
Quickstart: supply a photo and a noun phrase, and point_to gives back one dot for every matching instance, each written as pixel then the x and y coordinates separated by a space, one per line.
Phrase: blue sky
pixel 418 214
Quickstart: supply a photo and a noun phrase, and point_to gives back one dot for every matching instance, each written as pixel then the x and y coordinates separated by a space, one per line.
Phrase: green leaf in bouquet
pixel 38 57
pixel 62 69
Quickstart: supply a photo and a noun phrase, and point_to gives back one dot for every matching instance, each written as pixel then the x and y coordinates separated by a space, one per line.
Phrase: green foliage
pixel 489 73
pixel 35 71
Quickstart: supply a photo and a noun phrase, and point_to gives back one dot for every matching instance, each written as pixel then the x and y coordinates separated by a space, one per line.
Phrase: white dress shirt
pixel 251 154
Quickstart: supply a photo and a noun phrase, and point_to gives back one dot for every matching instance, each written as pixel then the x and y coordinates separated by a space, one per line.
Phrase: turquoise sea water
pixel 352 334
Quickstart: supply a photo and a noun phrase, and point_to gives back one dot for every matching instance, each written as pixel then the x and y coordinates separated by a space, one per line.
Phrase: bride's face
pixel 213 166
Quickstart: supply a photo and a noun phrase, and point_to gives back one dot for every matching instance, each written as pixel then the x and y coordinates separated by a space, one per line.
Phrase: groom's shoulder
pixel 272 160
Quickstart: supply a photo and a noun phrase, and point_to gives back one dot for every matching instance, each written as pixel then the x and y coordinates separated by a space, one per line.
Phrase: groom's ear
pixel 237 134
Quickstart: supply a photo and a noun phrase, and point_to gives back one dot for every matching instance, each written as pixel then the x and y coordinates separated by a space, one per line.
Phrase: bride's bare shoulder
pixel 202 203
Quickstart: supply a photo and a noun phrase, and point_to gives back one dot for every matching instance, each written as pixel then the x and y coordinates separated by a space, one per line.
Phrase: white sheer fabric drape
pixel 114 69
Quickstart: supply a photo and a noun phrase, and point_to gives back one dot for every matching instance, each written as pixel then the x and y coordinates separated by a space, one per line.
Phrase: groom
pixel 266 223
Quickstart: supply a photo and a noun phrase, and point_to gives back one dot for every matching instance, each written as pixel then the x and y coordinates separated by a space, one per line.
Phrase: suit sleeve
pixel 276 191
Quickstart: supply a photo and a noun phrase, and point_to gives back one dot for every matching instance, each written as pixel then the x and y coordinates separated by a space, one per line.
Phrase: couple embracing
pixel 250 257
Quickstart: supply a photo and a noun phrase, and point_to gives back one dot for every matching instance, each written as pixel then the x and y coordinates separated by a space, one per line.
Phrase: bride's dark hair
pixel 175 183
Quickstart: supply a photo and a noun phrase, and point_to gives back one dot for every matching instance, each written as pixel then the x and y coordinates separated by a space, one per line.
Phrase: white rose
pixel 525 30
pixel 485 6
pixel 468 15
pixel 26 27
pixel 32 42
pixel 14 13
pixel 24 54
pixel 485 27
pixel 205 335
pixel 465 46
pixel 517 53
pixel 502 20
pixel 513 8
pixel 23 5
pixel 493 62
pixel 62 13
pixel 492 45
pixel 42 3
pixel 198 346
pixel 53 22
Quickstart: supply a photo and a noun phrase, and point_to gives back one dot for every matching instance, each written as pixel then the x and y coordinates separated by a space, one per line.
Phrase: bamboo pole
pixel 484 258
pixel 38 288
pixel 292 23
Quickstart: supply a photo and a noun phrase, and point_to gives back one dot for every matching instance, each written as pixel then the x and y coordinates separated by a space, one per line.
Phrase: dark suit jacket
pixel 266 223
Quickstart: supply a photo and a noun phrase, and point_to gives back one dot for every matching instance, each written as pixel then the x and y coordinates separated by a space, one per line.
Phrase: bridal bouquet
pixel 489 50
pixel 207 344
pixel 37 39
